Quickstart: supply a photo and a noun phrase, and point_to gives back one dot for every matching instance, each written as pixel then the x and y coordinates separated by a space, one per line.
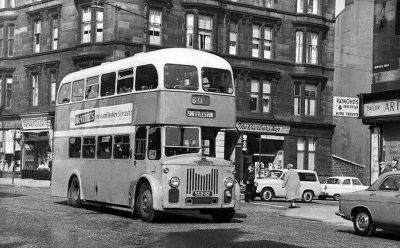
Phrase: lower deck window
pixel 74 150
pixel 104 147
pixel 121 147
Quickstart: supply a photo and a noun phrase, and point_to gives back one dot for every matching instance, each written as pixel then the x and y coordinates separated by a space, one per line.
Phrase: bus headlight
pixel 229 182
pixel 174 182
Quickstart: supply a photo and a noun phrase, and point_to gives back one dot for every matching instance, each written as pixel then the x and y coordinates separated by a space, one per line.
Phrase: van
pixel 270 185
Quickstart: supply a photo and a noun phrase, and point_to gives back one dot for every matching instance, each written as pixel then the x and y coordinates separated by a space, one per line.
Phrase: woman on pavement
pixel 291 182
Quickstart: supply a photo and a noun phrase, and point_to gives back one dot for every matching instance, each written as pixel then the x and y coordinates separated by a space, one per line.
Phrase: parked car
pixel 335 186
pixel 376 207
pixel 270 186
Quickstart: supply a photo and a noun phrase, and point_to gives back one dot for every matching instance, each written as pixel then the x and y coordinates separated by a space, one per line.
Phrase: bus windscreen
pixel 216 80
pixel 182 77
pixel 181 140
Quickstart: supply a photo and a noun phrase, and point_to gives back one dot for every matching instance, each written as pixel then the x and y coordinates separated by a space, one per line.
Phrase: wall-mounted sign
pixel 382 108
pixel 35 123
pixel 345 106
pixel 200 113
pixel 102 116
pixel 262 128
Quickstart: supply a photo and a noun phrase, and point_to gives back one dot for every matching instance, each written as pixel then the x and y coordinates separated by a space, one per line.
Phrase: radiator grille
pixel 201 182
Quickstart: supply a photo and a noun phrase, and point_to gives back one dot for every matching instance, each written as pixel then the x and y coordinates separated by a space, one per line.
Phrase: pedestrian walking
pixel 248 180
pixel 291 182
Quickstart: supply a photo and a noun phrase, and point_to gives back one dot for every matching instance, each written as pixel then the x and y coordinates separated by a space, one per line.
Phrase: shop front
pixel 10 148
pixel 382 113
pixel 36 147
pixel 261 145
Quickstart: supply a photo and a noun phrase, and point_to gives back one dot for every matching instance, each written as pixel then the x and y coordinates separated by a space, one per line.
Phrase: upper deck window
pixel 183 77
pixel 92 87
pixel 107 84
pixel 146 77
pixel 65 93
pixel 125 81
pixel 77 90
pixel 216 80
pixel 181 140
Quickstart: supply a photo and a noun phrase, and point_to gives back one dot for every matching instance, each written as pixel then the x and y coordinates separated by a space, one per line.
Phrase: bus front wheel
pixel 223 215
pixel 74 193
pixel 145 204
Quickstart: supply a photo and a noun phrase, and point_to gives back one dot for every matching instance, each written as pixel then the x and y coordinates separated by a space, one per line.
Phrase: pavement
pixel 320 213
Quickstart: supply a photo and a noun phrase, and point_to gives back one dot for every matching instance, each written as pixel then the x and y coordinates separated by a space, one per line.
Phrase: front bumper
pixel 341 215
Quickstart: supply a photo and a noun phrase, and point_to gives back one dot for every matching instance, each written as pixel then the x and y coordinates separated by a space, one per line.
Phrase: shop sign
pixel 345 106
pixel 34 123
pixel 382 108
pixel 262 128
pixel 102 116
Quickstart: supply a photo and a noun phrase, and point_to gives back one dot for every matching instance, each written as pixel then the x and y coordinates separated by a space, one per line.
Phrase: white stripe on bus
pixel 95 131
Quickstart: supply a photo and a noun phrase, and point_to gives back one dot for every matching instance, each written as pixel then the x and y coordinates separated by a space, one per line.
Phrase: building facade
pixel 352 75
pixel 281 53
pixel 380 109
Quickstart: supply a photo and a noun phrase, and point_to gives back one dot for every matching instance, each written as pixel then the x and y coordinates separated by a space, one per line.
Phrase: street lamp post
pixel 97 4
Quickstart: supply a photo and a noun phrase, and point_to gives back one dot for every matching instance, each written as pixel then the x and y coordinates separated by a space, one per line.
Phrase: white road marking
pixel 270 205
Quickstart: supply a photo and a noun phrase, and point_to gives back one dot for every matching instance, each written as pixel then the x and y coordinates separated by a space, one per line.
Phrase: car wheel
pixel 363 224
pixel 145 204
pixel 307 196
pixel 223 215
pixel 336 197
pixel 74 193
pixel 267 194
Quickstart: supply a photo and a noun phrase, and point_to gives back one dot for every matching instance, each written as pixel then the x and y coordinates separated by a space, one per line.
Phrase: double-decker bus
pixel 140 133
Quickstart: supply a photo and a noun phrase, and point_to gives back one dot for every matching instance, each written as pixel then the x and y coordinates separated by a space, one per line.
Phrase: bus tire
pixel 74 193
pixel 145 204
pixel 223 215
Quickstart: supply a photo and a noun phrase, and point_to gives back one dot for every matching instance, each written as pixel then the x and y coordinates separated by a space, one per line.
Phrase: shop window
pixel 74 150
pixel 77 90
pixel 297 98
pixel 146 78
pixel 104 146
pixel 37 30
pixel 155 17
pixel 184 77
pixel 10 41
pixel 300 153
pixel 92 88
pixel 140 143
pixel 53 87
pixel 255 50
pixel 233 38
pixel 255 84
pixel 125 81
pixel 9 83
pixel 307 6
pixel 11 3
pixel 107 87
pixel 35 90
pixel 121 147
pixel 154 151
pixel 189 30
pixel 263 3
pixel 89 147
pixel 65 93
pixel 310 94
pixel 1 41
pixel 54 33
pixel 2 4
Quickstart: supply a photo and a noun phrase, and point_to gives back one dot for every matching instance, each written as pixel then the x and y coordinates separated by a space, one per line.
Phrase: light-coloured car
pixel 335 186
pixel 376 207
pixel 270 186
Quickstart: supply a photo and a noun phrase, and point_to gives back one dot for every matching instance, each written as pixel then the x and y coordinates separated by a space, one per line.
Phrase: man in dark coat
pixel 248 180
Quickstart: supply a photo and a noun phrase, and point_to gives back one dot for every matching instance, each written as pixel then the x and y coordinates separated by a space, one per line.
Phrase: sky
pixel 339 6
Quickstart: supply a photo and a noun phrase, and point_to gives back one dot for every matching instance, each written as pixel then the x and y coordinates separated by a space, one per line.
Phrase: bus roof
pixel 160 57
